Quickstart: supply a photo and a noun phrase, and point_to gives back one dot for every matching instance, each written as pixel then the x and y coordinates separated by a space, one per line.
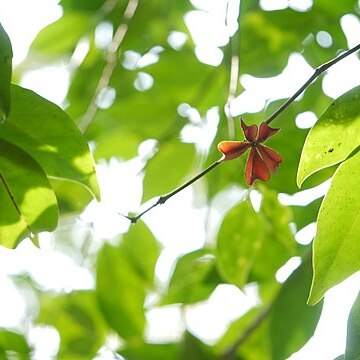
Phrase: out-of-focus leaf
pixel 353 332
pixel 282 32
pixel 304 215
pixel 5 73
pixel 292 321
pixel 121 293
pixel 193 349
pixel 77 318
pixel 27 199
pixel 142 250
pixel 46 132
pixel 89 5
pixel 143 351
pixel 11 342
pixel 278 243
pixel 167 169
pixel 192 280
pixel 119 143
pixel 336 245
pixel 239 241
pixel 333 137
pixel 56 39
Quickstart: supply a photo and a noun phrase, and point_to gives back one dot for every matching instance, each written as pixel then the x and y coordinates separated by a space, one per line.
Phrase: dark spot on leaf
pixel 331 150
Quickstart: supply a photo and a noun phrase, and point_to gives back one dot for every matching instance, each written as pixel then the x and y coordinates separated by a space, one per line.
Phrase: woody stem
pixel 163 198
pixel 318 71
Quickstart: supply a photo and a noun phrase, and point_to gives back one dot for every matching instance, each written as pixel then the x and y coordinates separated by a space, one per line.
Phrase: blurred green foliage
pixel 137 93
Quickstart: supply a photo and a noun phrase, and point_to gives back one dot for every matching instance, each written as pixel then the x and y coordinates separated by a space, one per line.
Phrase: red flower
pixel 262 160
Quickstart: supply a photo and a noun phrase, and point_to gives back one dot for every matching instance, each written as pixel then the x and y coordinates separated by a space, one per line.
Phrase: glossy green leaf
pixel 121 293
pixel 56 39
pixel 292 321
pixel 333 137
pixel 168 168
pixel 5 73
pixel 142 250
pixel 336 245
pixel 353 332
pixel 28 201
pixel 239 241
pixel 193 279
pixel 71 196
pixel 78 321
pixel 13 343
pixel 46 132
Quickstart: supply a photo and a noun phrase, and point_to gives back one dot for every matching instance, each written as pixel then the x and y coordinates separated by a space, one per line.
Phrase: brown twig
pixel 162 199
pixel 318 71
pixel 111 62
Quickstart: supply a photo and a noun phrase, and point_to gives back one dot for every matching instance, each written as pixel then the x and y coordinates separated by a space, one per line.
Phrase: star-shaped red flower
pixel 262 160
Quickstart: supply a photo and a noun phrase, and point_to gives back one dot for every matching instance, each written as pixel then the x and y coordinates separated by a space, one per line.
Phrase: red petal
pixel 249 168
pixel 271 158
pixel 265 131
pixel 250 132
pixel 233 149
pixel 260 170
pixel 256 168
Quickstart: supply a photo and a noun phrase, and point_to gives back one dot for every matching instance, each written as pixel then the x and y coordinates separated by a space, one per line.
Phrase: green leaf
pixel 142 250
pixel 5 73
pixel 336 245
pixel 27 199
pixel 333 137
pixel 167 169
pixel 194 349
pixel 56 39
pixel 239 241
pixel 353 332
pixel 292 321
pixel 119 143
pixel 141 351
pixel 121 293
pixel 193 279
pixel 11 342
pixel 46 133
pixel 77 318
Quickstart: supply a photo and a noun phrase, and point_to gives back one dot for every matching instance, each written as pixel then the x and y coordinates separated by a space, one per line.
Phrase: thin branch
pixel 163 198
pixel 111 63
pixel 318 71
pixel 247 332
pixel 234 78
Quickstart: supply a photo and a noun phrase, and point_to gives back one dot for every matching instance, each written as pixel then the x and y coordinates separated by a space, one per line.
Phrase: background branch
pixel 247 332
pixel 111 62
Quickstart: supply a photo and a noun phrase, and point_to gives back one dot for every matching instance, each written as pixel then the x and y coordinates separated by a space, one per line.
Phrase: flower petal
pixel 256 168
pixel 250 132
pixel 233 149
pixel 265 131
pixel 271 158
